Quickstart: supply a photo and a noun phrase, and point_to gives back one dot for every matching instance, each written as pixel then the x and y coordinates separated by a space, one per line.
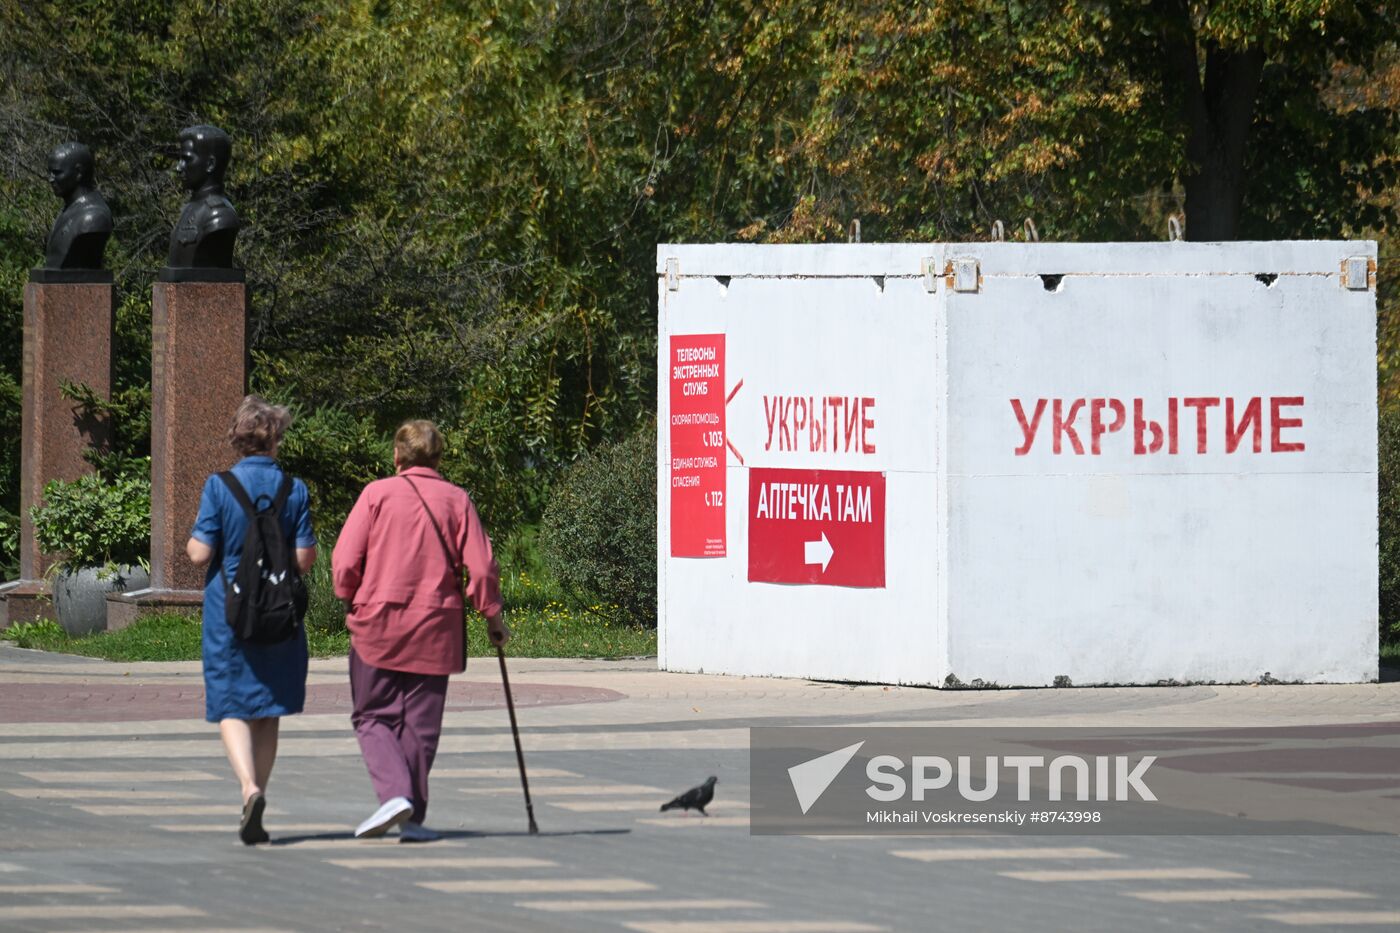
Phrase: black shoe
pixel 250 830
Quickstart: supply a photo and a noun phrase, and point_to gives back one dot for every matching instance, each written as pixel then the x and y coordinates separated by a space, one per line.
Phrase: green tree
pixel 452 208
pixel 933 120
pixel 1267 155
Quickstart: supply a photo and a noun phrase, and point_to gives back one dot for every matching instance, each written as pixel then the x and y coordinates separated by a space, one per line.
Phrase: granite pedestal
pixel 198 378
pixel 68 321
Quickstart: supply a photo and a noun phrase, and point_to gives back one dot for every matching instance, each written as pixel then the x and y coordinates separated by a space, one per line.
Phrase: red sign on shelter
pixel 817 526
pixel 697 445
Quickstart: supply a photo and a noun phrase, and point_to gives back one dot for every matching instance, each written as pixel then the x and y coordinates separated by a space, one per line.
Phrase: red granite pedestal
pixel 198 378
pixel 67 338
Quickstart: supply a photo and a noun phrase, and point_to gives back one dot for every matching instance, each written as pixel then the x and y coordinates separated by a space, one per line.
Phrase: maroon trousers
pixel 398 720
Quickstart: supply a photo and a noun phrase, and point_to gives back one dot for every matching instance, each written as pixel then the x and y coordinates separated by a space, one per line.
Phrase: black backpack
pixel 266 600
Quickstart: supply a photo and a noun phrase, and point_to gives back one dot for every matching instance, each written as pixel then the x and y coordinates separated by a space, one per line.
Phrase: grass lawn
pixel 177 638
pixel 158 638
pixel 542 624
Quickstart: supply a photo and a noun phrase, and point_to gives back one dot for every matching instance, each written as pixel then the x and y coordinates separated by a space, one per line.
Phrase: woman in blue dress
pixel 248 687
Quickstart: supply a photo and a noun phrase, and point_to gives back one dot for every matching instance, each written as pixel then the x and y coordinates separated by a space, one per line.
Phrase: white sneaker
pixel 417 832
pixel 392 813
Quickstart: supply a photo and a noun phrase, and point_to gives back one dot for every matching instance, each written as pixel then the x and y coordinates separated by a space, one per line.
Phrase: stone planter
pixel 80 596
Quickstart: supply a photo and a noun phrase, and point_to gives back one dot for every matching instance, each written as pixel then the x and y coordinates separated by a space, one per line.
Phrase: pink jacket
pixel 406 609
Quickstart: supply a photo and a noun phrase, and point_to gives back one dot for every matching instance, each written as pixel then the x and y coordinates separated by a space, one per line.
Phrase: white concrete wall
pixel 1126 568
pixel 1014 570
pixel 829 329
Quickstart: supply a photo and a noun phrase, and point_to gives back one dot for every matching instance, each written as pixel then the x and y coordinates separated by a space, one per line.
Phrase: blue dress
pixel 241 680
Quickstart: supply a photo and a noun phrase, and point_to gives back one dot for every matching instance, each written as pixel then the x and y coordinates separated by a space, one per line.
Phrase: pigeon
pixel 697 798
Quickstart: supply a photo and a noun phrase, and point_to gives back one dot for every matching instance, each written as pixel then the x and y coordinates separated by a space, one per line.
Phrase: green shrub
pixel 598 534
pixel 1390 524
pixel 325 615
pixel 526 581
pixel 336 454
pixel 43 635
pixel 93 521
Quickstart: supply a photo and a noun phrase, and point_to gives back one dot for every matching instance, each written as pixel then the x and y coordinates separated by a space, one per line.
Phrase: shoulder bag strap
pixel 451 559
pixel 284 492
pixel 442 539
pixel 239 493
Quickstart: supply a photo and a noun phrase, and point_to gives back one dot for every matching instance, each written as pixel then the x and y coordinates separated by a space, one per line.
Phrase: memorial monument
pixel 80 232
pixel 201 245
pixel 198 372
pixel 69 307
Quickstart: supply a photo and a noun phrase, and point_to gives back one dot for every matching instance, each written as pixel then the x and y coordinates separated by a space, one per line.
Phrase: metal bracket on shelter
pixel 964 275
pixel 930 273
pixel 673 274
pixel 1358 273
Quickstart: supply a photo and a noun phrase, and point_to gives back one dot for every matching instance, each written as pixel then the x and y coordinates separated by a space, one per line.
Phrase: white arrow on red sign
pixel 798 518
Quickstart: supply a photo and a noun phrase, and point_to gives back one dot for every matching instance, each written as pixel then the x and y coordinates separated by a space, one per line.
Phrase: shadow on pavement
pixel 446 834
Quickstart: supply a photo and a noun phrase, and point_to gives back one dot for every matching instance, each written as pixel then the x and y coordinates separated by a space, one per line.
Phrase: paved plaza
pixel 118 812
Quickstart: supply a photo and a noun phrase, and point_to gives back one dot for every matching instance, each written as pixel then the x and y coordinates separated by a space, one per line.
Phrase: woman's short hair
pixel 258 427
pixel 418 443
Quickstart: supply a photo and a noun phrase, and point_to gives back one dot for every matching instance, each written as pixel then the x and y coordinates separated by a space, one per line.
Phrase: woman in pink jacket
pixel 397 566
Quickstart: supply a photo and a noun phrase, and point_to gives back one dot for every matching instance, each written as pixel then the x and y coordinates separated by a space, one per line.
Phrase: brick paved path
pixel 135 702
pixel 117 813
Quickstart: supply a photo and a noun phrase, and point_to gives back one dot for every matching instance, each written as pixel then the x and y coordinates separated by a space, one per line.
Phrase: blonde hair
pixel 258 427
pixel 418 443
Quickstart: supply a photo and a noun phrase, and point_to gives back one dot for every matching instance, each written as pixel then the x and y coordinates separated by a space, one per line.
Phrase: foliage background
pixel 451 208
pixel 597 544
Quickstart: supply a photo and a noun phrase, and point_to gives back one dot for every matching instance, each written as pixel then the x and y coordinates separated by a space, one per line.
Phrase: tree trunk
pixel 1218 112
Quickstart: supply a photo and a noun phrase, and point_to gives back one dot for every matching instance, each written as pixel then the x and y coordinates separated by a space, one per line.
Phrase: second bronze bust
pixel 208 225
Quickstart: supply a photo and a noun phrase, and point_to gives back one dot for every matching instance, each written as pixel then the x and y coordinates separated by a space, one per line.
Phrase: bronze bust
pixel 80 233
pixel 203 238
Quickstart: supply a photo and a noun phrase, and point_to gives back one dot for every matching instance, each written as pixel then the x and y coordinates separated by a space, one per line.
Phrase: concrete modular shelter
pixel 1018 464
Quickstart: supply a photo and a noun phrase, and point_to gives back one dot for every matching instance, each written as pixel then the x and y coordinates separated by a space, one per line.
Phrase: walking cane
pixel 515 733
